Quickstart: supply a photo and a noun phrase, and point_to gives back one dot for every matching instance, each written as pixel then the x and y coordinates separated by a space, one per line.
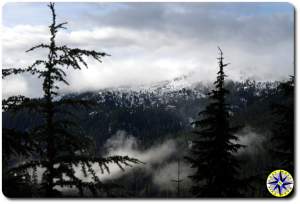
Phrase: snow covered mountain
pixel 169 93
pixel 165 93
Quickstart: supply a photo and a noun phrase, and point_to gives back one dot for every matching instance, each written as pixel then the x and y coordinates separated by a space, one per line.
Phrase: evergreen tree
pixel 15 145
pixel 212 152
pixel 59 146
pixel 283 129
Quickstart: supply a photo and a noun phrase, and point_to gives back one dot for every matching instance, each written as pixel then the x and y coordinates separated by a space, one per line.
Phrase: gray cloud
pixel 200 21
pixel 151 42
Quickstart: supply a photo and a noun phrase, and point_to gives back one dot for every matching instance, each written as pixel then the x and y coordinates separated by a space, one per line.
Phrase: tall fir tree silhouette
pixel 212 152
pixel 283 130
pixel 58 147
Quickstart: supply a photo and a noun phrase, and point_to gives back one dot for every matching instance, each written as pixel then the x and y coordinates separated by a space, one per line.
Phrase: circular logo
pixel 280 183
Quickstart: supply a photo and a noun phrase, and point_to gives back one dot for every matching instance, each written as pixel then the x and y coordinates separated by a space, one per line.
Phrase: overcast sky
pixel 151 42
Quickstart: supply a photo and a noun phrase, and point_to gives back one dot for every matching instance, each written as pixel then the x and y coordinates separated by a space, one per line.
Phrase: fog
pixel 160 160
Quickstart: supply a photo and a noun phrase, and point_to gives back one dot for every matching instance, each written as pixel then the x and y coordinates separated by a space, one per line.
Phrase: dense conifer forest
pixel 218 139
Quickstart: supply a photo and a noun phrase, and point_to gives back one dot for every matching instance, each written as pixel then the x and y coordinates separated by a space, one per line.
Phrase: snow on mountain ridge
pixel 161 93
pixel 166 93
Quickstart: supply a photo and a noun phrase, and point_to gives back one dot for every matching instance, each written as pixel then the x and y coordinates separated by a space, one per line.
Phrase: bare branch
pixel 61 25
pixel 38 46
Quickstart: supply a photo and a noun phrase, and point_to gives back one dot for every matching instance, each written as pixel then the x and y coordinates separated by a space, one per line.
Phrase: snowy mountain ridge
pixel 166 93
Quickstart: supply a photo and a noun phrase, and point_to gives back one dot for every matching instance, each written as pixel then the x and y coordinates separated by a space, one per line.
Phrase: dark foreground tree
pixel 212 152
pixel 59 146
pixel 15 144
pixel 283 129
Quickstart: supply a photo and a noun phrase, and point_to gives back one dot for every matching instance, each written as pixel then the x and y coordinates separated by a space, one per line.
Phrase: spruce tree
pixel 59 147
pixel 15 145
pixel 283 129
pixel 212 152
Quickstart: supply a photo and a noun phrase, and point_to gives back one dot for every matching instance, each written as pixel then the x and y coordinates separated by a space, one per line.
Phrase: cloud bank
pixel 151 42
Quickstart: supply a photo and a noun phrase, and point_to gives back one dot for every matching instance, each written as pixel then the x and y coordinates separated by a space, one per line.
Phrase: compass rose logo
pixel 280 183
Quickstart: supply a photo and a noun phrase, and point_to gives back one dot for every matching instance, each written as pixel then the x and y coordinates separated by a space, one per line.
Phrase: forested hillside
pixel 143 119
